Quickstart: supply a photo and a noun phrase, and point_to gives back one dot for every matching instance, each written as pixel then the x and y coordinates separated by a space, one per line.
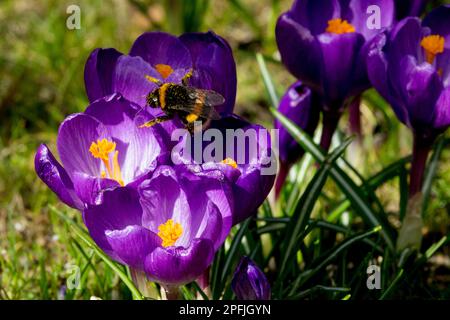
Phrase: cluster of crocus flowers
pixel 410 68
pixel 163 219
pixel 324 44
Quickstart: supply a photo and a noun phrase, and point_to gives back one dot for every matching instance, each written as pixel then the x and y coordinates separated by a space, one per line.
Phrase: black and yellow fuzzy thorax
pixel 172 94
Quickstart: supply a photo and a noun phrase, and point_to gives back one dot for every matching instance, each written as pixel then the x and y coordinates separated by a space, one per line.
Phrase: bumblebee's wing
pixel 208 97
pixel 201 103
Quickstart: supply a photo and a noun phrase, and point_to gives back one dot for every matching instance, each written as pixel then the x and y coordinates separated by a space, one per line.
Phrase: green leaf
pixel 329 256
pixel 431 173
pixel 356 196
pixel 388 292
pixel 234 249
pixel 304 207
pixel 318 288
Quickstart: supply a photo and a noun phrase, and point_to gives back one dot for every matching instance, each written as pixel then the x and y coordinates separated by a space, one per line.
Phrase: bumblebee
pixel 188 103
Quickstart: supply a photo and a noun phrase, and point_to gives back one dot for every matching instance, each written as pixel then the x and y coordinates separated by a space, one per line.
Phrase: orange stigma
pixel 164 70
pixel 433 45
pixel 339 26
pixel 101 150
pixel 230 162
pixel 169 232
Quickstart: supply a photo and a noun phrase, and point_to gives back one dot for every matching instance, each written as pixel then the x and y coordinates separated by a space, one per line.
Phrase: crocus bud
pixel 300 105
pixel 249 282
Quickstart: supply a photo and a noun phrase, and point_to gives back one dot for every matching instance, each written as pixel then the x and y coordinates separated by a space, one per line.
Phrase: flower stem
pixel 410 234
pixel 172 292
pixel 355 116
pixel 421 150
pixel 330 122
pixel 203 283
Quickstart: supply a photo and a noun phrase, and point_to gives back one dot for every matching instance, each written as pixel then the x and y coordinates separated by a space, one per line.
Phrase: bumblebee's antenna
pixel 154 80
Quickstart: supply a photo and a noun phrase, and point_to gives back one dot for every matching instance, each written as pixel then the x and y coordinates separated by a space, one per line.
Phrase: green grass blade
pixel 329 256
pixel 305 206
pixel 388 292
pixel 83 235
pixel 234 249
pixel 431 173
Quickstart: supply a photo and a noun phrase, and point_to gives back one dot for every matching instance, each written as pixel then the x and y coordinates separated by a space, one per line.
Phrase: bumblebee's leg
pixel 190 127
pixel 186 77
pixel 157 120
pixel 154 80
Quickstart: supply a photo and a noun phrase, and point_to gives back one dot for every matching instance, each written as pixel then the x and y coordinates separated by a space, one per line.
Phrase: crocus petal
pixel 443 66
pixel 255 161
pixel 404 40
pixel 377 64
pixel 214 66
pixel 162 48
pixel 178 265
pixel 360 16
pixel 132 244
pixel 442 110
pixel 55 177
pixel 118 209
pixel 129 79
pixel 302 59
pixel 211 225
pixel 339 53
pixel 88 188
pixel 216 192
pixel 249 282
pixel 297 105
pixel 377 69
pixel 163 199
pixel 315 14
pixel 421 88
pixel 438 21
pixel 138 147
pixel 76 133
pixel 98 73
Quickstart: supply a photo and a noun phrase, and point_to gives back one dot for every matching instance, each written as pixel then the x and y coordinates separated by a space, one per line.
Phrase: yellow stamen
pixel 116 169
pixel 339 26
pixel 230 162
pixel 164 70
pixel 101 150
pixel 169 232
pixel 433 45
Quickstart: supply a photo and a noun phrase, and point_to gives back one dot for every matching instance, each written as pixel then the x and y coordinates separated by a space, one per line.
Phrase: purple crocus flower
pixel 248 162
pixel 99 148
pixel 410 68
pixel 409 8
pixel 170 227
pixel 167 58
pixel 299 104
pixel 249 282
pixel 324 44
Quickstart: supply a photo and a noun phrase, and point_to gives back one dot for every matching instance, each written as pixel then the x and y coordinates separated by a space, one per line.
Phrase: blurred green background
pixel 41 82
